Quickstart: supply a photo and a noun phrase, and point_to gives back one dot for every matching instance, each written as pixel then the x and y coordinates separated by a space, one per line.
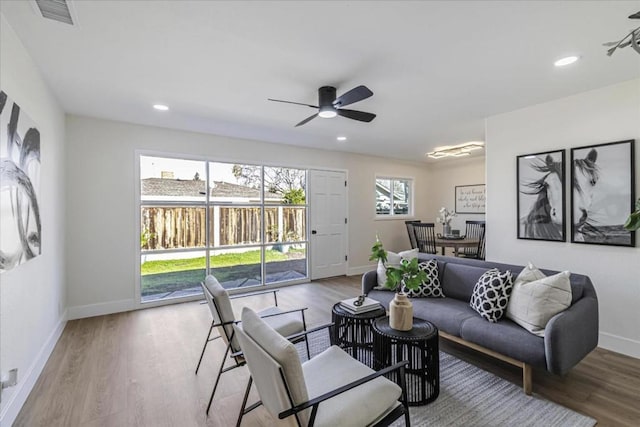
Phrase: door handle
pixel 314 232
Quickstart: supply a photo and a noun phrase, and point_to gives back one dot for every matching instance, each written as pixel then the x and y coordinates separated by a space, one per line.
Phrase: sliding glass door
pixel 245 224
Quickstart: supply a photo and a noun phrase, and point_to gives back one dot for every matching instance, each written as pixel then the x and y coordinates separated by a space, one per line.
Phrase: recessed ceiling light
pixel 562 62
pixel 161 107
pixel 341 138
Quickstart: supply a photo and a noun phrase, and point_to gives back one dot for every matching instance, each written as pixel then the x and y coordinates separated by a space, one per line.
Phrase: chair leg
pixel 213 392
pixel 244 402
pixel 306 338
pixel 205 347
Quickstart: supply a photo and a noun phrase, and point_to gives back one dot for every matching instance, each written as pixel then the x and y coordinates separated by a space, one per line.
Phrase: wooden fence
pixel 185 227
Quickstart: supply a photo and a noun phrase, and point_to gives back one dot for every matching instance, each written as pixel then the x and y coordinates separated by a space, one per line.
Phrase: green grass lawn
pixel 222 260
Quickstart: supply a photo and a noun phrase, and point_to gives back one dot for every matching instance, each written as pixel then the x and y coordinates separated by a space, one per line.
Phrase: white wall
pixel 32 295
pixel 445 177
pixel 102 237
pixel 599 116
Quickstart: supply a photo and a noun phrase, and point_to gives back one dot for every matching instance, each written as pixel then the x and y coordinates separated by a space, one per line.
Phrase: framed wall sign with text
pixel 470 199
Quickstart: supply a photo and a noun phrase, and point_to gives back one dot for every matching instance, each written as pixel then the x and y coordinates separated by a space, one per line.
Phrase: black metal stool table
pixel 420 347
pixel 352 332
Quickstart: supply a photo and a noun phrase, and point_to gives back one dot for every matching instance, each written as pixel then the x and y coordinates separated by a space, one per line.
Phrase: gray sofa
pixel 569 336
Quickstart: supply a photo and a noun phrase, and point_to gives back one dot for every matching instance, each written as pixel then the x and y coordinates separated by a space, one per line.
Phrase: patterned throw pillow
pixel 430 288
pixel 491 293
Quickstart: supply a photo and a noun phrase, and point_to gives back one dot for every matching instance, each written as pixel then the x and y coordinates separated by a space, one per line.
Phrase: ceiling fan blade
pixel 307 120
pixel 291 102
pixel 356 115
pixel 354 95
pixel 635 16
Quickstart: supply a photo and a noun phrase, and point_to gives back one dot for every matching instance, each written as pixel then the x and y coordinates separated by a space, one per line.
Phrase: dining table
pixel 456 243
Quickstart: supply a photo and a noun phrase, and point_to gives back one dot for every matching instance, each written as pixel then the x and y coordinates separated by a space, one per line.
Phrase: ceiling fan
pixel 329 106
pixel 633 39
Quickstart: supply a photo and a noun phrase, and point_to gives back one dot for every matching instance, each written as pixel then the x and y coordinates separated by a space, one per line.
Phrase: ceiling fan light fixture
pixel 567 60
pixel 327 112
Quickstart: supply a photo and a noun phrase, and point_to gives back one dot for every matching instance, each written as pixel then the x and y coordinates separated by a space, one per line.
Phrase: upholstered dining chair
pixel 474 230
pixel 332 389
pixel 412 234
pixel 285 323
pixel 425 237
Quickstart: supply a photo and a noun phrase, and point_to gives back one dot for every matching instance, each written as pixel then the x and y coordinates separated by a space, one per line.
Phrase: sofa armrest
pixel 571 335
pixel 369 281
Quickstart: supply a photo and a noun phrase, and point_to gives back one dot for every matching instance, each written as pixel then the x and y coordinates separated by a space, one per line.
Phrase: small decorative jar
pixel 401 313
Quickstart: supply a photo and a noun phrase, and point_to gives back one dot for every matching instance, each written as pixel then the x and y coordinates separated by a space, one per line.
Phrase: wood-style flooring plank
pixel 138 369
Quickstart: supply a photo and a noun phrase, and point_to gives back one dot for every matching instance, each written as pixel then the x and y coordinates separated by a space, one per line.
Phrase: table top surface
pixel 339 310
pixel 422 330
pixel 457 242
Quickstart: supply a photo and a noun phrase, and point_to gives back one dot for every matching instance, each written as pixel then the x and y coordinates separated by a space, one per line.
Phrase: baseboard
pixel 90 310
pixel 619 344
pixel 28 380
pixel 352 271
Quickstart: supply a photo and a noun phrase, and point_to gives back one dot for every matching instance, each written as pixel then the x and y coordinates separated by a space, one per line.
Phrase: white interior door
pixel 328 219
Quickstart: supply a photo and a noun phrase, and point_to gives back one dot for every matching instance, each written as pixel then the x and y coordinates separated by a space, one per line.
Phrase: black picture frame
pixel 470 199
pixel 541 200
pixel 603 193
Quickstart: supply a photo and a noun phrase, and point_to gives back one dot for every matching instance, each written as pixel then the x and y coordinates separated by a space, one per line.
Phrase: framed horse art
pixel 602 193
pixel 541 196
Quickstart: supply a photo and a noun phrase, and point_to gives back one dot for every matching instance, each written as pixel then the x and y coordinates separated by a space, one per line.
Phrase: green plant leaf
pixel 378 252
pixel 633 222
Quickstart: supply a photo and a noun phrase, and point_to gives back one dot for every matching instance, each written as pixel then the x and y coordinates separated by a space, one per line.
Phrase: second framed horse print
pixel 602 193
pixel 541 198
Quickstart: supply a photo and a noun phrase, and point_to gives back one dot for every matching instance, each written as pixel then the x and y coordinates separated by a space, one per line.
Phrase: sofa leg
pixel 527 380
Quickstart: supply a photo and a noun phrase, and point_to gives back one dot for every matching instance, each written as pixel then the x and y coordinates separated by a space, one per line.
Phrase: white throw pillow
pixel 536 298
pixel 393 260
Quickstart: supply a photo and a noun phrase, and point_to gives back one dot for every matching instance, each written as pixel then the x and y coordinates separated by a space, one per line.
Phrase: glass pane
pixel 294 224
pixel 235 183
pixel 383 196
pixel 231 225
pixel 171 275
pixel 170 227
pixel 285 185
pixel 401 196
pixel 285 224
pixel 172 179
pixel 237 267
pixel 285 262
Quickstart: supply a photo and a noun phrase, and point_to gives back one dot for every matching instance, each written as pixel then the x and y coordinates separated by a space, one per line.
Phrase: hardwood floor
pixel 137 369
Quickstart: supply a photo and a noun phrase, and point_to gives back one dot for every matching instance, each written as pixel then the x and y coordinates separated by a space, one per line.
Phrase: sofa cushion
pixel 458 280
pixel 505 337
pixel 535 298
pixel 448 314
pixel 491 294
pixel 430 288
pixel 393 260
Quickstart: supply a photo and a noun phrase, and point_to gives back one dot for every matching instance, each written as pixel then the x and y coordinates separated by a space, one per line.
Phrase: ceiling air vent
pixel 58 10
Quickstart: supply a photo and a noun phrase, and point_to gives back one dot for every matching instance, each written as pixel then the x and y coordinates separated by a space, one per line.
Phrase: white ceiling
pixel 437 69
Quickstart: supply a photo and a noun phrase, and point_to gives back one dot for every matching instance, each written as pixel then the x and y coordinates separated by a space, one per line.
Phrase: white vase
pixel 446 229
pixel 401 313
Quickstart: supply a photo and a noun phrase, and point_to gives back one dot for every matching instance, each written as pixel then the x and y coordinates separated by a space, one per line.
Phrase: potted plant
pixel 633 222
pixel 406 275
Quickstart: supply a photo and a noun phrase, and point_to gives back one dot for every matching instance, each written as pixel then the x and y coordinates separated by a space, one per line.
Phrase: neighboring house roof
pixel 193 188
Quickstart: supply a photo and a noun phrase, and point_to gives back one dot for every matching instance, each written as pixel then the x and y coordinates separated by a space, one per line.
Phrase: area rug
pixel 470 396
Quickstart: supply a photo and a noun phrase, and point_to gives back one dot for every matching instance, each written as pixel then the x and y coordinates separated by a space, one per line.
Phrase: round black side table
pixel 420 347
pixel 352 332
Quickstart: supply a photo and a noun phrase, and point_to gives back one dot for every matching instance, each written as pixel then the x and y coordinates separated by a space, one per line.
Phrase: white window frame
pixel 391 214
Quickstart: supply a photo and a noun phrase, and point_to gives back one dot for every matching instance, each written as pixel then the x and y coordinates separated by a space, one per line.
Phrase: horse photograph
pixel 541 198
pixel 602 193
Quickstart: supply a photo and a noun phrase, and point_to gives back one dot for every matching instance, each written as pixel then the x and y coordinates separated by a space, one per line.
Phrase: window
pixel 394 196
pixel 246 224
